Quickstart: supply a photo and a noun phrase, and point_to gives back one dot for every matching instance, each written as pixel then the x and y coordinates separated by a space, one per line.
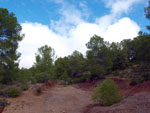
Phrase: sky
pixel 67 25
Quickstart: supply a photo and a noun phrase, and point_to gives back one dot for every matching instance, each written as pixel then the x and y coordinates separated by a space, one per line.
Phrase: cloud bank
pixel 72 31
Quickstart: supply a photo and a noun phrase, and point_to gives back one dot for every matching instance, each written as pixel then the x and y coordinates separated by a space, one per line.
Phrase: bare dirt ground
pixel 77 99
pixel 58 99
pixel 138 103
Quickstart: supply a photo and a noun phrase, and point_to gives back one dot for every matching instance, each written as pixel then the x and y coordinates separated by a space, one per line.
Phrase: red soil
pixel 77 99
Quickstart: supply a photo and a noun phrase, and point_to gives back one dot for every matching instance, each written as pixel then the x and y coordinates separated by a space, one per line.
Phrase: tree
pixel 119 55
pixel 147 13
pixel 107 93
pixel 61 66
pixel 76 64
pixel 73 65
pixel 45 59
pixel 9 37
pixel 98 56
pixel 142 48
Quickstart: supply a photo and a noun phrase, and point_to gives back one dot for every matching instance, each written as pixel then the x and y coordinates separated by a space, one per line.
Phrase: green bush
pixel 107 93
pixel 133 82
pixel 116 73
pixel 140 80
pixel 33 80
pixel 42 77
pixel 4 92
pixel 14 92
pixel 146 76
pixel 25 87
pixel 64 75
pixel 121 75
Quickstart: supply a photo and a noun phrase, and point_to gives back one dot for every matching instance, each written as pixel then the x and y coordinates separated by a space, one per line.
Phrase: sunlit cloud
pixel 72 31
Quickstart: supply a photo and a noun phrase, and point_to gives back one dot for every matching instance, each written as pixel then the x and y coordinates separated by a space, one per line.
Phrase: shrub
pixel 133 82
pixel 42 77
pixel 33 80
pixel 146 76
pixel 107 93
pixel 4 101
pixel 25 87
pixel 4 92
pixel 140 80
pixel 121 75
pixel 14 92
pixel 38 90
pixel 116 73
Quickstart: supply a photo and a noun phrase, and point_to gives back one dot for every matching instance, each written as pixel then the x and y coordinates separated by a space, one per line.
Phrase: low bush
pixel 25 87
pixel 42 77
pixel 14 92
pixel 121 75
pixel 107 93
pixel 4 92
pixel 146 76
pixel 33 80
pixel 133 82
pixel 140 80
pixel 116 73
pixel 38 90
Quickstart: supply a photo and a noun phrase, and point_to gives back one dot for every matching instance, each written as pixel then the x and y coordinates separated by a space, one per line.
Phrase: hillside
pixel 77 99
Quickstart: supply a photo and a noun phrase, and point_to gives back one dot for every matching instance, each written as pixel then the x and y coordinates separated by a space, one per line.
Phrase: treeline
pixel 101 58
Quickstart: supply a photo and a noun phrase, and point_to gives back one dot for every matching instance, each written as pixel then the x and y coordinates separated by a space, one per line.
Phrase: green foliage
pixel 44 58
pixel 25 87
pixel 33 80
pixel 64 75
pixel 4 92
pixel 76 64
pixel 121 75
pixel 142 48
pixel 107 93
pixel 133 82
pixel 98 56
pixel 42 77
pixel 61 65
pixel 14 92
pixel 84 77
pixel 71 67
pixel 9 38
pixel 147 13
pixel 43 69
pixel 146 76
pixel 24 75
pixel 116 73
pixel 119 55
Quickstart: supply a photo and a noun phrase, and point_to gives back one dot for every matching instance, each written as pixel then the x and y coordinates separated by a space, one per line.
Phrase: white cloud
pixel 70 17
pixel 120 6
pixel 72 32
pixel 125 28
pixel 37 35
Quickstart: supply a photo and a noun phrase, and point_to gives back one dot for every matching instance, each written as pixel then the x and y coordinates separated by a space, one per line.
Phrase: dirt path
pixel 77 99
pixel 56 100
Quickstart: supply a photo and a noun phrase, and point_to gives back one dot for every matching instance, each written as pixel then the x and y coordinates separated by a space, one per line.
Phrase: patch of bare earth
pixel 138 103
pixel 77 99
pixel 136 99
pixel 58 99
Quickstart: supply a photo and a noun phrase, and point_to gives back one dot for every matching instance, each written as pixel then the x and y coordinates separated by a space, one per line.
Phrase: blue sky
pixel 67 25
pixel 42 11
